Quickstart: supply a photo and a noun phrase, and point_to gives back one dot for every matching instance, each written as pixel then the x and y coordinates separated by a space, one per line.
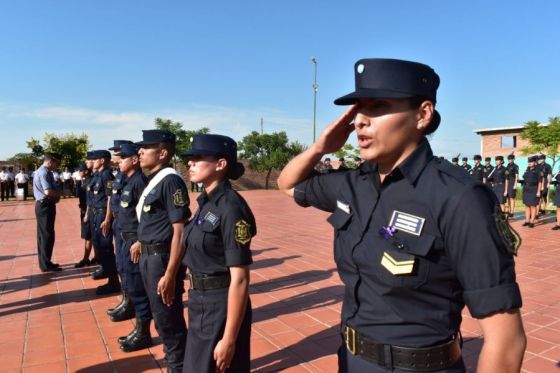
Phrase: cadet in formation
pixel 217 253
pixel 556 179
pixel 488 169
pixel 546 171
pixel 532 186
pixel 100 218
pixel 162 211
pixel 129 253
pixel 477 171
pixel 85 229
pixel 466 166
pixel 410 259
pixel 512 179
pixel 499 180
pixel 124 310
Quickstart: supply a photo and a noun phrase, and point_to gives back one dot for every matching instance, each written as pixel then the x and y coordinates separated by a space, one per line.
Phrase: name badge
pixel 343 206
pixel 407 223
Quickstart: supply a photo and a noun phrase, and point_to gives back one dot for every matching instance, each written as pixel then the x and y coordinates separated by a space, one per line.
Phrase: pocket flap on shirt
pixel 420 245
pixel 339 218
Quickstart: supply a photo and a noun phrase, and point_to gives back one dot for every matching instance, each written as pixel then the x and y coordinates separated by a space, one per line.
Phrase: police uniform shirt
pixel 477 171
pixel 513 170
pixel 219 236
pixel 466 167
pixel 131 191
pixel 89 190
pixel 101 186
pixel 82 192
pixel 116 189
pixel 166 204
pixel 42 181
pixel 499 175
pixel 408 286
pixel 547 170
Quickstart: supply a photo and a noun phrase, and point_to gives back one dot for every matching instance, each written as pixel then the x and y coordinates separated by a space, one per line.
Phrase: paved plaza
pixel 54 322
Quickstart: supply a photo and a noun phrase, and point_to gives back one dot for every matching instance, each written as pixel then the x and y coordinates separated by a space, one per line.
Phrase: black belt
pixel 44 201
pixel 127 236
pixel 413 359
pixel 208 282
pixel 530 184
pixel 97 211
pixel 154 248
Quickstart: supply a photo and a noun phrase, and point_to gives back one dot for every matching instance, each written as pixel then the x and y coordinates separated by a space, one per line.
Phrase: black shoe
pixel 82 263
pixel 531 225
pixel 52 268
pixel 111 311
pixel 526 224
pixel 93 261
pixel 111 287
pixel 54 264
pixel 556 228
pixel 139 340
pixel 99 274
pixel 126 312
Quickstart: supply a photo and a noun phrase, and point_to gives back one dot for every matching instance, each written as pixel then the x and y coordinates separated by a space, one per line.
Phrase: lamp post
pixel 315 88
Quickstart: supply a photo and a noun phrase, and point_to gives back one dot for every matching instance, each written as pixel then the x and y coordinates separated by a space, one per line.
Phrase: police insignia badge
pixel 398 263
pixel 114 191
pixel 510 238
pixel 147 208
pixel 242 232
pixel 124 204
pixel 109 184
pixel 178 199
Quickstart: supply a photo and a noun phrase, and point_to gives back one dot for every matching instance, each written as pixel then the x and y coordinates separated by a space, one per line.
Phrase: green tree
pixel 268 151
pixel 543 138
pixel 184 136
pixel 348 152
pixel 71 148
pixel 27 160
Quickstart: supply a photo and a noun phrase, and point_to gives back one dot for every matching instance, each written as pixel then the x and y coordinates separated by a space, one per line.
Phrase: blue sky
pixel 108 68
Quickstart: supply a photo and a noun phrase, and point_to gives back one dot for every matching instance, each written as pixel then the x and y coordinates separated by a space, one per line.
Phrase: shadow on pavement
pixel 130 364
pixel 271 262
pixel 291 281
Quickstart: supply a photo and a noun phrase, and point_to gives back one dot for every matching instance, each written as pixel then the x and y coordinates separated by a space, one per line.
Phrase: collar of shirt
pixel 215 194
pixel 152 175
pixel 410 168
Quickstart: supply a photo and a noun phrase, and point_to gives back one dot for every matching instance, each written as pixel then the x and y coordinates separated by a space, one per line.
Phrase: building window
pixel 509 141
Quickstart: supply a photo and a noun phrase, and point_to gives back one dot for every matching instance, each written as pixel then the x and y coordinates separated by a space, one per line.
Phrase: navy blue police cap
pixel 499 158
pixel 464 159
pixel 129 150
pixel 117 144
pixel 542 156
pixel 89 155
pixel 455 159
pixel 152 137
pixel 511 156
pixel 390 78
pixel 532 158
pixel 98 154
pixel 477 157
pixel 488 159
pixel 82 167
pixel 218 145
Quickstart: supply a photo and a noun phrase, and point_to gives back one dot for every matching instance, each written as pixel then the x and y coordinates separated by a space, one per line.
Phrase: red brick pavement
pixel 55 323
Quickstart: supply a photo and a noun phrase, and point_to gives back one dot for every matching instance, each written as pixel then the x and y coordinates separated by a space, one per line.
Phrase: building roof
pixel 502 129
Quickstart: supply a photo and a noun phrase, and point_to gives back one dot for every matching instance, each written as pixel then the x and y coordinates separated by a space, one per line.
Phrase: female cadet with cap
pixel 217 255
pixel 556 181
pixel 532 185
pixel 416 239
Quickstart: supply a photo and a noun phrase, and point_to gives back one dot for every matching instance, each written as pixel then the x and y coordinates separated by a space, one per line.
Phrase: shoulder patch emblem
pixel 242 232
pixel 178 199
pixel 109 184
pixel 509 236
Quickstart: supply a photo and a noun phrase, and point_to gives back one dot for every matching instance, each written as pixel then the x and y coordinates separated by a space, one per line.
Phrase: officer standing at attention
pixel 124 310
pixel 499 180
pixel 556 182
pixel 85 231
pixel 455 161
pixel 410 259
pixel 101 186
pixel 477 171
pixel 513 176
pixel 488 168
pixel 162 211
pixel 88 218
pixel 532 186
pixel 546 174
pixel 466 166
pixel 46 197
pixel 134 183
pixel 217 254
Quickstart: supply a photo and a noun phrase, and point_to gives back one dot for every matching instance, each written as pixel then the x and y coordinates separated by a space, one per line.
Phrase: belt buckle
pixel 352 338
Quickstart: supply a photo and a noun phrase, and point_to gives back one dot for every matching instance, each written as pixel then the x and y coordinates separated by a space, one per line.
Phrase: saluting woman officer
pixel 416 239
pixel 217 253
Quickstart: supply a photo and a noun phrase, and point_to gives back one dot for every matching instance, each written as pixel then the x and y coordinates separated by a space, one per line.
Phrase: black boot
pixel 124 338
pixel 142 339
pixel 111 287
pixel 111 311
pixel 126 312
pixel 174 370
pixel 98 274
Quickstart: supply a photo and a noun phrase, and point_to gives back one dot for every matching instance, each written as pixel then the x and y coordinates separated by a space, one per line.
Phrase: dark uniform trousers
pixel 349 363
pixel 85 227
pixel 45 212
pixel 105 251
pixel 119 255
pixel 92 232
pixel 132 277
pixel 207 318
pixel 170 321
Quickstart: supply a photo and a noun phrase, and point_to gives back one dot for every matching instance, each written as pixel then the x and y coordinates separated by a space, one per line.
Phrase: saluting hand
pixel 223 354
pixel 135 252
pixel 166 288
pixel 334 136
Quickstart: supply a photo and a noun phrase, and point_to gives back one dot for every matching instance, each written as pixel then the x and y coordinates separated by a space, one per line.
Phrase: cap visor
pixel 353 97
